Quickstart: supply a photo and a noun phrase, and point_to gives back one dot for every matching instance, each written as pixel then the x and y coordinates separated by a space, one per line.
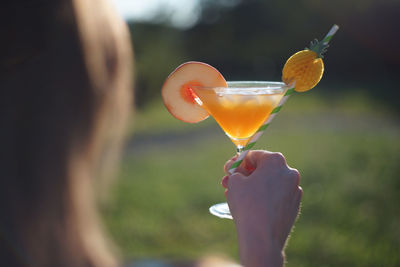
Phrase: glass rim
pixel 270 86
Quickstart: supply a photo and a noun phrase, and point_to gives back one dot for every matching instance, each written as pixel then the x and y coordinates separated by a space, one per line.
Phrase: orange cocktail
pixel 242 107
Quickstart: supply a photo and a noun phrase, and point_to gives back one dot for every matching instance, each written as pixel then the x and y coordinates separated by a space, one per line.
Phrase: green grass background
pixel 346 147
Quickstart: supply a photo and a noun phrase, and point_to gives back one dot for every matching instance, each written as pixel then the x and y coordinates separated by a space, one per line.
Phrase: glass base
pixel 221 210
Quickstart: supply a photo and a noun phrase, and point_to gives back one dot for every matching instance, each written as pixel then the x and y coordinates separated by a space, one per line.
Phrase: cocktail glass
pixel 239 109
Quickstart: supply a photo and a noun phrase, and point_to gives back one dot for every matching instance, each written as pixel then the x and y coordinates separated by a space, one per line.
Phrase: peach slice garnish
pixel 177 92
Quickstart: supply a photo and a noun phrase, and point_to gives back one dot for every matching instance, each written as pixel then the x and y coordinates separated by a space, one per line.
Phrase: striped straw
pixel 329 35
pixel 262 129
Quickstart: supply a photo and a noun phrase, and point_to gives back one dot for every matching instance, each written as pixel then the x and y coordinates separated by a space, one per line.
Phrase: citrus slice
pixel 178 96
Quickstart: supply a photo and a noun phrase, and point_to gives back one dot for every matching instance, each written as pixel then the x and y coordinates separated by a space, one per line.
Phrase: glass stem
pixel 239 149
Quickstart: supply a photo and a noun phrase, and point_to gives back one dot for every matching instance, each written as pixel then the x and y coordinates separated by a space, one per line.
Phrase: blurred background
pixel 343 135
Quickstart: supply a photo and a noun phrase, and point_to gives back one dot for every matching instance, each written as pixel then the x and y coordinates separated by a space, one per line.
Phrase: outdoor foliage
pixel 347 154
pixel 251 40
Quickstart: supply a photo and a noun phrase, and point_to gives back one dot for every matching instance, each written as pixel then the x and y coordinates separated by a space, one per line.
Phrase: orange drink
pixel 242 107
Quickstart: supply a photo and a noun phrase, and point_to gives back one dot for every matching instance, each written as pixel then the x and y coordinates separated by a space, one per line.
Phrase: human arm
pixel 264 199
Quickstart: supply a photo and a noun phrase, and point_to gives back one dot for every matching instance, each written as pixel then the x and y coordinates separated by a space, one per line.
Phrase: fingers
pixel 295 176
pixel 262 163
pixel 224 181
pixel 249 163
pixel 244 168
pixel 229 163
pixel 270 160
pixel 258 158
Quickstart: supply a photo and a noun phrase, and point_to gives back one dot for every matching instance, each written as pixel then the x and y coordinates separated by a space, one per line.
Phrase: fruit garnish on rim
pixel 177 93
pixel 306 67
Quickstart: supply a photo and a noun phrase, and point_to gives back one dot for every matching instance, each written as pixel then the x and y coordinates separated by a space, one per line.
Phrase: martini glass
pixel 239 109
